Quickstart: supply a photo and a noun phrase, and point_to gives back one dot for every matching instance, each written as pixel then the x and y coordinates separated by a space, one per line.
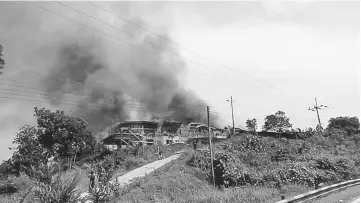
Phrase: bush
pixel 58 191
pixel 8 187
pixel 243 161
pixel 104 193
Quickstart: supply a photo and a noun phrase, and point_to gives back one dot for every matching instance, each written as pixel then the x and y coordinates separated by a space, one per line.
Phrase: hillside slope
pixel 178 182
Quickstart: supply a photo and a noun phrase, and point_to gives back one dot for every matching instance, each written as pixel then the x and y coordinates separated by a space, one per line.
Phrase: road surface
pixel 357 200
pixel 347 195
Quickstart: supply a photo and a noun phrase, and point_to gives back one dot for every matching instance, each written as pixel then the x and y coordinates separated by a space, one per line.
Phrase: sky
pixel 268 56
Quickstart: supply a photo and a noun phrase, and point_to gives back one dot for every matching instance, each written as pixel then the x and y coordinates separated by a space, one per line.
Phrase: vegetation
pixel 327 157
pixel 56 135
pixel 179 182
pixel 248 168
pixel 254 169
pixel 252 125
pixel 277 122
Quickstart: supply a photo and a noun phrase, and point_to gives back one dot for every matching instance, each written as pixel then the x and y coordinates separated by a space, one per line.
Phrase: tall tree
pixel 28 152
pixel 251 124
pixel 349 124
pixel 62 134
pixel 57 134
pixel 2 61
pixel 277 122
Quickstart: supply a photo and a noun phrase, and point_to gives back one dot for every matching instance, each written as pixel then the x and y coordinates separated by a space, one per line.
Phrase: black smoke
pixel 105 75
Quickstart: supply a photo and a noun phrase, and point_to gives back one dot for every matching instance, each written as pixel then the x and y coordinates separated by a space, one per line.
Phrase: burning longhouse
pixel 161 132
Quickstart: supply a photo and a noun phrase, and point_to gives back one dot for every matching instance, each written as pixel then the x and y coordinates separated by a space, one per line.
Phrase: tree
pixel 251 125
pixel 29 153
pixel 57 134
pixel 7 168
pixel 351 125
pixel 2 61
pixel 277 122
pixel 63 135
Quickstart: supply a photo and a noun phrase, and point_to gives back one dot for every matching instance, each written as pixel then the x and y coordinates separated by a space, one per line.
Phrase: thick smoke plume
pixel 108 76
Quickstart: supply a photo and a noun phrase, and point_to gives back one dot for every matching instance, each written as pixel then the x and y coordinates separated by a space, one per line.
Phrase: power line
pixel 65 101
pixel 106 23
pixel 65 96
pixel 93 29
pixel 177 44
pixel 129 107
pixel 159 36
pixel 106 34
pixel 112 37
pixel 70 102
pixel 37 73
pixel 82 98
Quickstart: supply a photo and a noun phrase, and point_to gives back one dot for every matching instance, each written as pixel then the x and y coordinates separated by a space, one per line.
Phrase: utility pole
pixel 210 146
pixel 317 107
pixel 233 131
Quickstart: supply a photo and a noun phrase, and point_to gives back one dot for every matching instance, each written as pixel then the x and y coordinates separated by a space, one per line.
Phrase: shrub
pixel 44 173
pixel 58 191
pixel 8 187
pixel 243 161
pixel 104 192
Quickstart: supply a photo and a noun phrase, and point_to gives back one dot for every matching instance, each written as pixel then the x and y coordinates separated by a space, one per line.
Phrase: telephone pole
pixel 210 146
pixel 233 131
pixel 317 107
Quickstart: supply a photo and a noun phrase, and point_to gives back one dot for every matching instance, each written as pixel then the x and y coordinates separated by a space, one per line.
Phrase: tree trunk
pixel 74 159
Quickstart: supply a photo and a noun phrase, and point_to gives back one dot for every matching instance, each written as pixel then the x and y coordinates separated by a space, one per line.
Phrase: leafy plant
pixel 104 192
pixel 58 191
pixel 251 124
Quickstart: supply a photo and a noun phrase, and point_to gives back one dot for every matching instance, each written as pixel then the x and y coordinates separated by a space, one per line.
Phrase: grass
pixel 177 182
pixel 24 184
pixel 131 162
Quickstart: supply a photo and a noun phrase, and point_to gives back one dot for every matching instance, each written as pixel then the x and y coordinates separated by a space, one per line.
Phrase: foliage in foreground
pixel 178 182
pixel 57 191
pixel 57 135
pixel 253 160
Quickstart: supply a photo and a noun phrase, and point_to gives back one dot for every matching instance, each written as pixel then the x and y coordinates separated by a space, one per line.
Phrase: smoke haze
pixel 105 76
